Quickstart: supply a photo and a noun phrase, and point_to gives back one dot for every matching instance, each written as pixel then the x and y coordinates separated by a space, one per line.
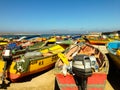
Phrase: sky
pixel 59 16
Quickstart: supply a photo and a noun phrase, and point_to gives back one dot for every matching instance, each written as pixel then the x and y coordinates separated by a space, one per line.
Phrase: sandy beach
pixel 46 80
pixel 41 81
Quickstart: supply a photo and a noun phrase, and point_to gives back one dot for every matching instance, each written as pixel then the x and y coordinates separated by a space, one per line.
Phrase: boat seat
pixel 96 51
pixel 98 61
pixel 47 54
pixel 72 51
pixel 88 50
pixel 100 58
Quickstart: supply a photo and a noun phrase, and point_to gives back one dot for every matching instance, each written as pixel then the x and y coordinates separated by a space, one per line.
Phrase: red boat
pixel 87 61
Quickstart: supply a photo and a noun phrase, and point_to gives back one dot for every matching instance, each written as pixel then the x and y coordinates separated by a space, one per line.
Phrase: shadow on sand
pixel 113 75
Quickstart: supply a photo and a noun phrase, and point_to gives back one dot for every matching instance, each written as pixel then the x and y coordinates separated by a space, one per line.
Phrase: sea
pixel 33 35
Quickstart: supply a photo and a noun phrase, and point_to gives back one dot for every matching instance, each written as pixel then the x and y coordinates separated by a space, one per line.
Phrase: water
pixel 42 35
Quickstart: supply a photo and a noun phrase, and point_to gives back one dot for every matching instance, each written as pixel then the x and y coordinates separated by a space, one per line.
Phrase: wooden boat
pixel 114 52
pixel 99 62
pixel 97 40
pixel 30 62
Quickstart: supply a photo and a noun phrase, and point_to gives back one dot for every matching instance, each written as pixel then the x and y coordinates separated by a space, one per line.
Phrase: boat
pixel 29 62
pixel 113 48
pixel 2 44
pixel 99 64
pixel 96 40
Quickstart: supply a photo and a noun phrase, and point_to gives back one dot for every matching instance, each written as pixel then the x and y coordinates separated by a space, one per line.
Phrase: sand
pixel 46 81
pixel 41 81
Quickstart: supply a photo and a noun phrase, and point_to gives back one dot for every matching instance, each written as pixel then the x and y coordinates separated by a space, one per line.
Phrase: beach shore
pixel 43 81
pixel 46 80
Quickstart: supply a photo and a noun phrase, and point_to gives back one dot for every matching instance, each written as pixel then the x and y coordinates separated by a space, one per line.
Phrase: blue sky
pixel 46 16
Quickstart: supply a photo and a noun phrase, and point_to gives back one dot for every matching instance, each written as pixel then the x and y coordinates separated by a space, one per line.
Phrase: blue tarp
pixel 12 46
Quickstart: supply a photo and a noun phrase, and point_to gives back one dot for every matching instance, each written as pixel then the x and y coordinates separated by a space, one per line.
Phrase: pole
pixel 84 84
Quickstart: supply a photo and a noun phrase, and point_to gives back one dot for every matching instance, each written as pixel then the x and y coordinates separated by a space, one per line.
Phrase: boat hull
pixel 98 42
pixel 115 59
pixel 96 82
pixel 114 52
pixel 30 63
pixel 34 66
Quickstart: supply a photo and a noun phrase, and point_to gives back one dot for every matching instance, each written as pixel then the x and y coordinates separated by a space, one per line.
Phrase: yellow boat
pixel 2 44
pixel 31 62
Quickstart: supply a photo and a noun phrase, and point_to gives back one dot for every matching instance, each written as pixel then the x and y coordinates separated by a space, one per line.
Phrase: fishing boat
pixel 84 59
pixel 29 62
pixel 2 44
pixel 114 52
pixel 95 40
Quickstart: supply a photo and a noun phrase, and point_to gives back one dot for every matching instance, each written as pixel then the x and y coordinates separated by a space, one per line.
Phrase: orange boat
pixel 96 40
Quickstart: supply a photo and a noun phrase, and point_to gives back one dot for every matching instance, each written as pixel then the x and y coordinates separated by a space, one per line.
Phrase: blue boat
pixel 114 52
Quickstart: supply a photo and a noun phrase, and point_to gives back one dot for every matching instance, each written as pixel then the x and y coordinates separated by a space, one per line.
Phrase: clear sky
pixel 46 16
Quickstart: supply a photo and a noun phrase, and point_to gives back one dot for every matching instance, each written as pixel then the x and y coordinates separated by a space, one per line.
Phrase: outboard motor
pixel 81 67
pixel 7 58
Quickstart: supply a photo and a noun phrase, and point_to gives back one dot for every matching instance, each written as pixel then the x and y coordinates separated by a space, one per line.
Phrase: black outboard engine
pixel 7 54
pixel 7 58
pixel 81 67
